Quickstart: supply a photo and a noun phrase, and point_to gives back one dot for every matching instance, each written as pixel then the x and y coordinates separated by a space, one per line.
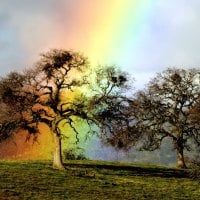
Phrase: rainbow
pixel 104 30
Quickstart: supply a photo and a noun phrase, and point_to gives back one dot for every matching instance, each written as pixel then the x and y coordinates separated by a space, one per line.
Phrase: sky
pixel 139 36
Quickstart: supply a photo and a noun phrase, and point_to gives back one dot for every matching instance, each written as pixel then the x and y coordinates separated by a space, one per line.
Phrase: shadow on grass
pixel 135 170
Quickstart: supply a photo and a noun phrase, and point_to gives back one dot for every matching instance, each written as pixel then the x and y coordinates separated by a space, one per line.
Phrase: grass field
pixel 94 180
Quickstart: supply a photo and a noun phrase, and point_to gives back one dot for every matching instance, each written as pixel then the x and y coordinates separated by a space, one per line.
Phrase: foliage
pixel 164 107
pixel 53 92
pixel 163 110
pixel 74 154
pixel 35 95
pixel 13 102
pixel 195 167
pixel 160 111
pixel 112 112
pixel 60 89
pixel 195 172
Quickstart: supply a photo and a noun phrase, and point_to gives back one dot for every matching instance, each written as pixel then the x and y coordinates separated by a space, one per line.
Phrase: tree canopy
pixel 57 90
pixel 62 87
pixel 163 111
pixel 167 108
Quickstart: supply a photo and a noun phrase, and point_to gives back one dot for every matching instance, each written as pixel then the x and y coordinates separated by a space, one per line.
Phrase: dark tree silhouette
pixel 163 111
pixel 43 95
pixel 118 124
pixel 14 99
pixel 112 112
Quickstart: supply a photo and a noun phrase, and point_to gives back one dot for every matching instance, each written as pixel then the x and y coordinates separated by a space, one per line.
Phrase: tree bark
pixel 180 158
pixel 57 157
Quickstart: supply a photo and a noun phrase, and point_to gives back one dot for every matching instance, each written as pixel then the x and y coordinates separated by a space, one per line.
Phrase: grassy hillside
pixel 94 180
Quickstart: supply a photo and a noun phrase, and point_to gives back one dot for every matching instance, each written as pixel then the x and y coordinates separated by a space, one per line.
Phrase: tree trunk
pixel 180 158
pixel 57 157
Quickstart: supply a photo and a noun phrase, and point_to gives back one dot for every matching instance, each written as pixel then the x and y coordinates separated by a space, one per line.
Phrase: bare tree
pixel 58 90
pixel 163 110
pixel 13 103
pixel 113 114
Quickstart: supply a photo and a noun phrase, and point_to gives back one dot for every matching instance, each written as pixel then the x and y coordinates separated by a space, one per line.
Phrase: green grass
pixel 94 180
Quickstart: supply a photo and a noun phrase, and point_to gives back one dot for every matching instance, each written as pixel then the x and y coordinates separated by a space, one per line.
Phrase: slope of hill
pixel 94 180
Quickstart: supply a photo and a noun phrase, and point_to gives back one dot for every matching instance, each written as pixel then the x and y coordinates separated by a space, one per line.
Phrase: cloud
pixel 168 37
pixel 27 29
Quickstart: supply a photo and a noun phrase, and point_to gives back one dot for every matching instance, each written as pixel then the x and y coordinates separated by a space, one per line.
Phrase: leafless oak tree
pixel 43 95
pixel 163 111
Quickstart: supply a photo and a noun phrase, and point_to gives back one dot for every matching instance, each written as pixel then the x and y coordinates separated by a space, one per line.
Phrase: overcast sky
pixel 169 34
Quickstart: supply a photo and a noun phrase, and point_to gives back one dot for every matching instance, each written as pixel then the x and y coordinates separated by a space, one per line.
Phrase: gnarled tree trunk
pixel 180 158
pixel 180 147
pixel 57 154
